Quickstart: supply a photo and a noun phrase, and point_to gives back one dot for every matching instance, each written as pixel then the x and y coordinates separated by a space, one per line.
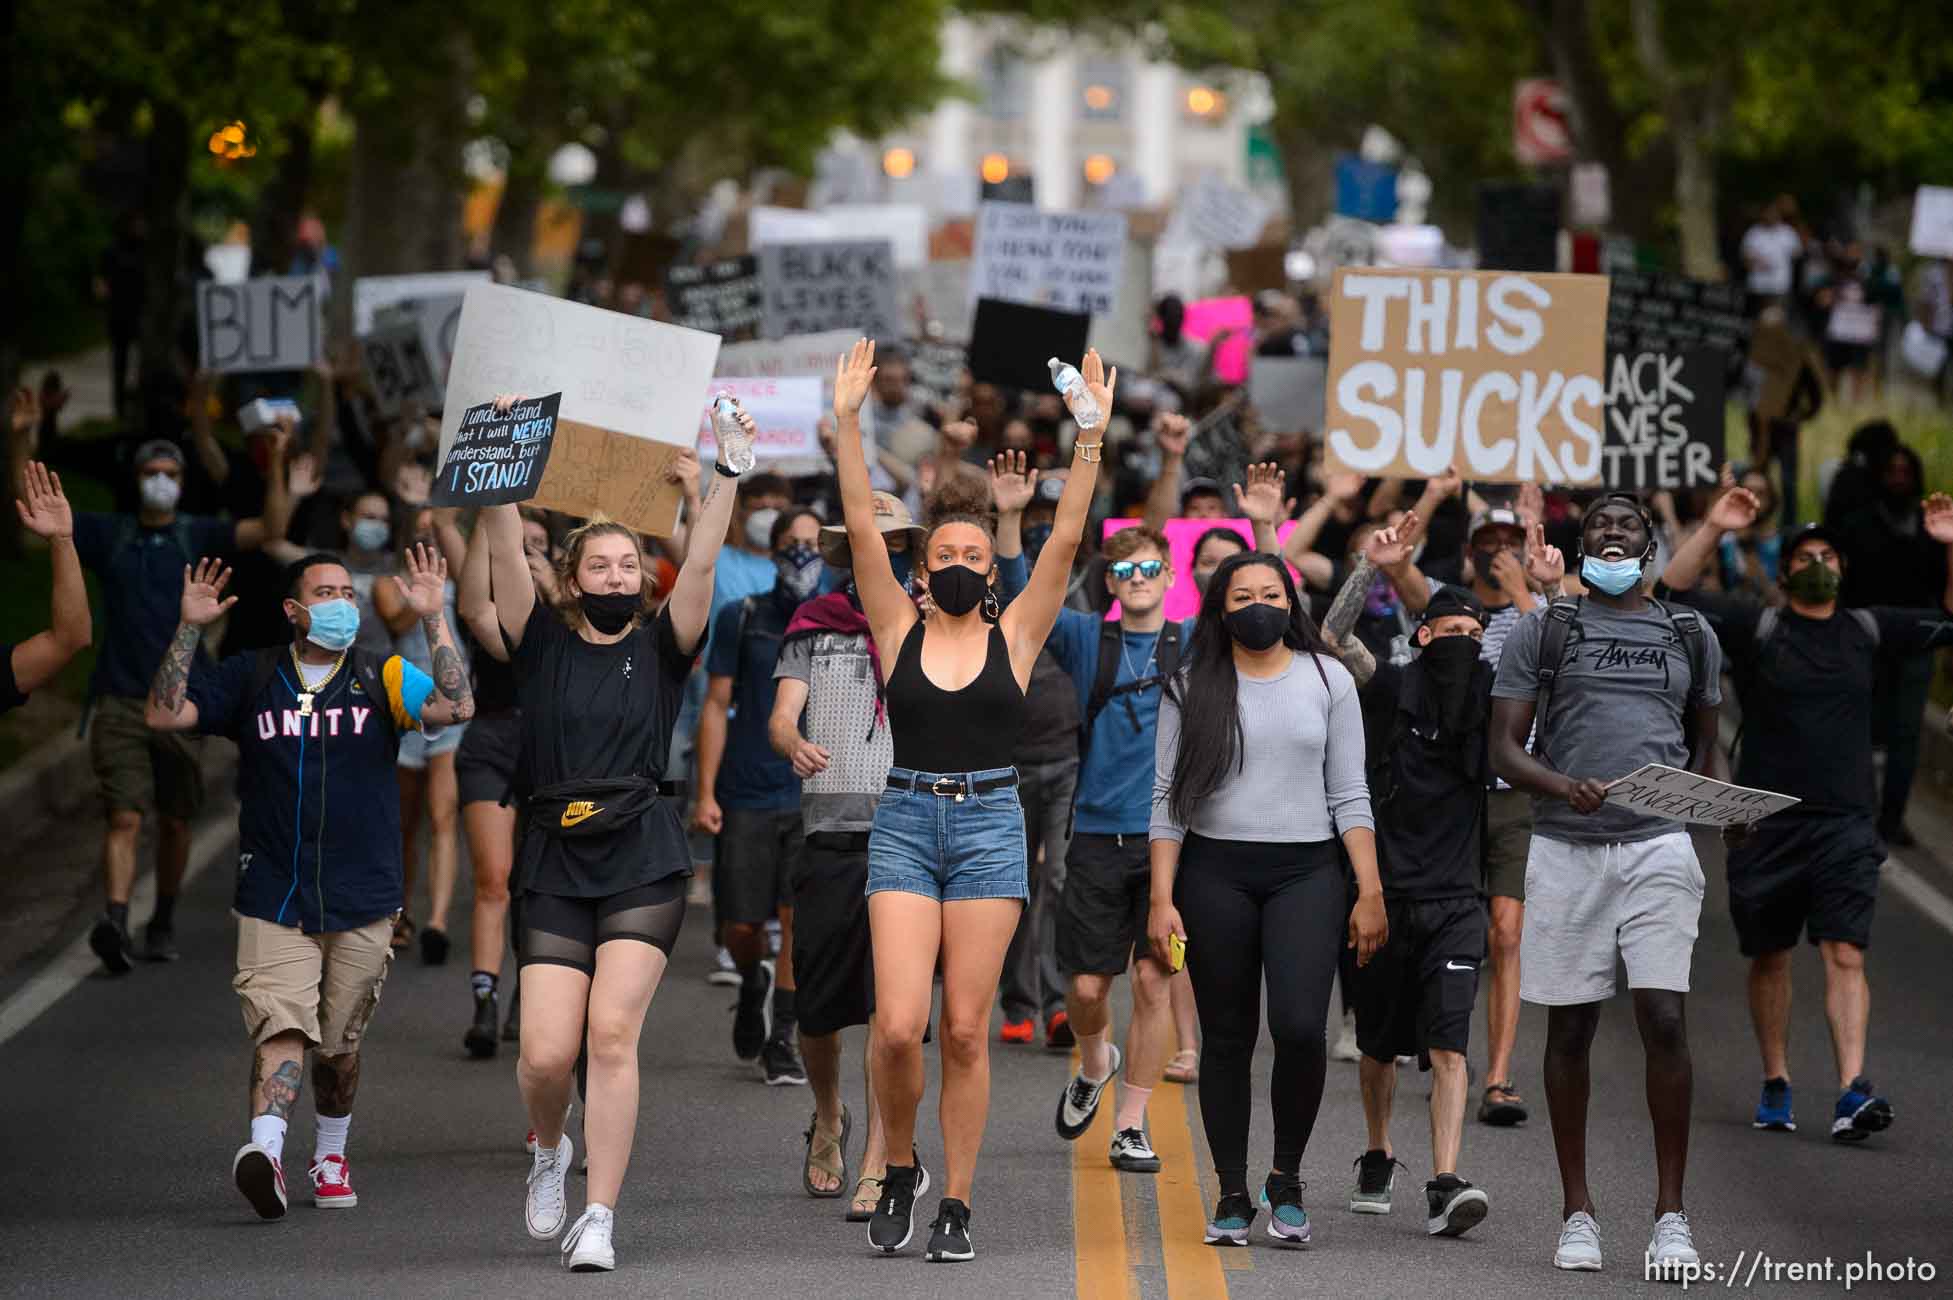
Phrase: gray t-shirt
pixel 1301 780
pixel 1621 700
pixel 841 717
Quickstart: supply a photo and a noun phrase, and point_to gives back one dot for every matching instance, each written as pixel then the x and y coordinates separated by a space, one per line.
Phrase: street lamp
pixel 1099 168
pixel 995 169
pixel 898 163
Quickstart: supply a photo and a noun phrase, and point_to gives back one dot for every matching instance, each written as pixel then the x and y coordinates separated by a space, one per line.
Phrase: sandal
pixel 1507 1109
pixel 1184 1067
pixel 867 1194
pixel 833 1158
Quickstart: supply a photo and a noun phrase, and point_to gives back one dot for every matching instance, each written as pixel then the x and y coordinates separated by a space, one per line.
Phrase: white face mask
pixel 160 492
pixel 759 528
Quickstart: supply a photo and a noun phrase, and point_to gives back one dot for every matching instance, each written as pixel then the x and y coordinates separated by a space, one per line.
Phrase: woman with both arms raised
pixel 946 866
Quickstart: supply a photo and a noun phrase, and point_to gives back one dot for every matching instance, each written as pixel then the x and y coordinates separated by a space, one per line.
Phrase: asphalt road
pixel 121 1105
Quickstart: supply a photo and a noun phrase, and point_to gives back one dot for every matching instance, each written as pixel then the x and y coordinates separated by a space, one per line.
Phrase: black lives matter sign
pixel 719 298
pixel 498 457
pixel 837 285
pixel 1674 346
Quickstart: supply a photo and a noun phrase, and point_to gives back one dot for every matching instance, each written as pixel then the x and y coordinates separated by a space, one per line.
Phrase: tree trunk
pixel 514 232
pixel 1308 170
pixel 165 202
pixel 1695 200
pixel 1598 128
pixel 274 227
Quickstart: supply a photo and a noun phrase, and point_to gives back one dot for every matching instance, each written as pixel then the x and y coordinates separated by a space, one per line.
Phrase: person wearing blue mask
pixel 317 724
pixel 749 797
pixel 1616 680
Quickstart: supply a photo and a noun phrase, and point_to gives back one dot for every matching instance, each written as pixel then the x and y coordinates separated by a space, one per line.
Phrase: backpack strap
pixel 263 669
pixel 1557 625
pixel 1695 640
pixel 1767 624
pixel 1106 685
pixel 746 605
pixel 1866 621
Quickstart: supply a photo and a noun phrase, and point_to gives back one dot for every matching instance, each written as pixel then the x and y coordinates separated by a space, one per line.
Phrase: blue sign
pixel 1365 190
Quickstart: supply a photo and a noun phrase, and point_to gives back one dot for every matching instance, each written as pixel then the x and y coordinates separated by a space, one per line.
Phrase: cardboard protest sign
pixel 1662 791
pixel 771 225
pixel 787 411
pixel 719 298
pixel 1650 312
pixel 434 321
pixel 1288 393
pixel 1221 215
pixel 1250 270
pixel 270 323
pixel 631 391
pixel 1012 343
pixel 936 301
pixel 807 288
pixel 1183 536
pixel 1208 317
pixel 904 225
pixel 806 354
pixel 1932 221
pixel 1664 420
pixel 1067 260
pixel 373 292
pixel 498 457
pixel 1496 374
pixel 398 368
pixel 935 368
pixel 1123 335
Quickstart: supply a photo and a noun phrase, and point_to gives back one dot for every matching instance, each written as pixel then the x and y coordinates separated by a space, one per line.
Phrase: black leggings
pixel 1254 909
pixel 561 931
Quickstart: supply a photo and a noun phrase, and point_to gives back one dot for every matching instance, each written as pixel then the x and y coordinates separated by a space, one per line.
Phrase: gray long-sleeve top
pixel 1301 779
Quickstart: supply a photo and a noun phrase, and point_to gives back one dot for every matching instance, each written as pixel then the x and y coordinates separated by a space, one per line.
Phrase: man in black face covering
pixel 1416 994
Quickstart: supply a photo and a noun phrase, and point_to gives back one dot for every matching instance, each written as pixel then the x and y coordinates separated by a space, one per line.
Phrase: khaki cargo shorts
pixel 324 986
pixel 141 770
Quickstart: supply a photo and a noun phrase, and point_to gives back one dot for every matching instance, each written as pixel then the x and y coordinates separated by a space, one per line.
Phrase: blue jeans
pixel 947 848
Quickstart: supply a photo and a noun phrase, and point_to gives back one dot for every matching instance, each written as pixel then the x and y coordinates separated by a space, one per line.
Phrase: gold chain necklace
pixel 305 697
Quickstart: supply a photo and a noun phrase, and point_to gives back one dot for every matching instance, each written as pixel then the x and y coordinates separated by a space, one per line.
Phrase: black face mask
pixel 1482 560
pixel 1257 626
pixel 610 612
pixel 957 588
pixel 1449 664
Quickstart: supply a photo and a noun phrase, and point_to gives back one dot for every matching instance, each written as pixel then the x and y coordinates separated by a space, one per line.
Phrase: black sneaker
pixel 949 1236
pixel 433 947
pixel 780 1064
pixel 1455 1206
pixel 1375 1174
pixel 894 1221
pixel 111 943
pixel 512 1023
pixel 159 943
pixel 749 1028
pixel 480 1038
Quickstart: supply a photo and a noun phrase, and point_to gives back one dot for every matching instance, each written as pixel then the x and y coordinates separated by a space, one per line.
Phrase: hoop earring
pixel 991 610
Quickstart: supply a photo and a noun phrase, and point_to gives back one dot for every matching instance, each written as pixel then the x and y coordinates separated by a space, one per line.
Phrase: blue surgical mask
pixel 1610 576
pixel 370 534
pixel 334 624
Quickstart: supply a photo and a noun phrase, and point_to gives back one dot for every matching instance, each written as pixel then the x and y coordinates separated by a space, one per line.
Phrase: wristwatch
pixel 723 468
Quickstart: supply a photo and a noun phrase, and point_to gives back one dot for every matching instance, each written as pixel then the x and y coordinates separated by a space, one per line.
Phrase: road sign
pixel 1541 132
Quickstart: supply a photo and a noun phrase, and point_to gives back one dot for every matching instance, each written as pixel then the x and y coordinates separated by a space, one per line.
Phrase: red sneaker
pixel 1057 1033
pixel 332 1185
pixel 1018 1031
pixel 261 1178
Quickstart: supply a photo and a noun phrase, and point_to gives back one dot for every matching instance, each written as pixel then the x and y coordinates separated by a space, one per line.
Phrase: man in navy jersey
pixel 317 724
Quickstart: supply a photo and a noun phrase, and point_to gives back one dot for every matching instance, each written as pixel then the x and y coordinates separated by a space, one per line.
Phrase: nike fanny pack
pixel 598 807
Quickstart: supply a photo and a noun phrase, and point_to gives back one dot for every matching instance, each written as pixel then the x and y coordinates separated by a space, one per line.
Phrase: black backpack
pixel 366 670
pixel 1560 618
pixel 1104 690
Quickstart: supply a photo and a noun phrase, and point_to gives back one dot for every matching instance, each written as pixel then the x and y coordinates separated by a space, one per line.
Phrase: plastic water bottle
pixel 734 446
pixel 1078 398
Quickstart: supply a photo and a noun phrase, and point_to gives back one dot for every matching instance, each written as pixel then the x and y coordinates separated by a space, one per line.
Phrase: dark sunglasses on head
pixel 1122 570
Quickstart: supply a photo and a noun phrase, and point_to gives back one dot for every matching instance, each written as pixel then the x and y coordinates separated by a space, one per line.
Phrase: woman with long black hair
pixel 946 865
pixel 1259 770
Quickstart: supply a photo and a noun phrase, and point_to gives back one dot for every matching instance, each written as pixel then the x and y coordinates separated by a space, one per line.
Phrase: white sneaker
pixel 1579 1246
pixel 544 1211
pixel 1345 1048
pixel 1671 1249
pixel 586 1247
pixel 723 971
pixel 529 1142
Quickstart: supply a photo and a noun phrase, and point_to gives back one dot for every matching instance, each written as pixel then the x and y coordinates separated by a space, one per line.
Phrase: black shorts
pixel 752 873
pixel 1815 873
pixel 833 966
pixel 1108 891
pixel 484 766
pixel 562 931
pixel 1416 994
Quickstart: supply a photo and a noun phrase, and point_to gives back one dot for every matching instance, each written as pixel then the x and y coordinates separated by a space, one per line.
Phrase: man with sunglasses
pixel 1118 669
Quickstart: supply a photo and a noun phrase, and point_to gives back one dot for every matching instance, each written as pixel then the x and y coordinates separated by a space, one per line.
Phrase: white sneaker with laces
pixel 586 1247
pixel 1579 1247
pixel 1345 1048
pixel 723 971
pixel 544 1211
pixel 1672 1247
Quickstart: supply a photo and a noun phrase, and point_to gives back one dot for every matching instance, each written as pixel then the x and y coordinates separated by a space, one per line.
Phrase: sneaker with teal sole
pixel 1288 1222
pixel 1860 1113
pixel 1773 1108
pixel 1232 1219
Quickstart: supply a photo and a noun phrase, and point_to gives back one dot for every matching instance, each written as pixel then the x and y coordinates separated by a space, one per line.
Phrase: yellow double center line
pixel 1193 1269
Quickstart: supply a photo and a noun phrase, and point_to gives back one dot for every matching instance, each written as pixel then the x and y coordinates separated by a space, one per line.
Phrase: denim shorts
pixel 949 849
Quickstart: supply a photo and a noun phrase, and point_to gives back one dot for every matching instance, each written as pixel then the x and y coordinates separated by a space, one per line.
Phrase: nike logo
pixel 579 810
pixel 1450 965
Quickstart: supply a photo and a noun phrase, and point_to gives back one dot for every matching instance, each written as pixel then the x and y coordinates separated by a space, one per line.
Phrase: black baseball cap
pixel 1814 532
pixel 1494 517
pixel 1450 602
pixel 1199 485
pixel 158 449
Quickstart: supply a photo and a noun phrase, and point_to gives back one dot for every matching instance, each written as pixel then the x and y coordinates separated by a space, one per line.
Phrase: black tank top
pixel 971 730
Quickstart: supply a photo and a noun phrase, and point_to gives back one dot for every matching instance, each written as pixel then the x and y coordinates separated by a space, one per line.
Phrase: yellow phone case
pixel 1176 952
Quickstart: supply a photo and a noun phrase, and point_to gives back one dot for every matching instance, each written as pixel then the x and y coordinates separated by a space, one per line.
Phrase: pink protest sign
pixel 1183 598
pixel 1208 317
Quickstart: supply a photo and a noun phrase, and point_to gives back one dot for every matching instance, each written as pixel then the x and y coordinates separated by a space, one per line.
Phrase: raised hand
pixel 1735 509
pixel 425 585
pixel 24 410
pixel 203 592
pixel 1344 487
pixel 1386 548
pixel 852 375
pixel 1939 518
pixel 1531 503
pixel 959 436
pixel 683 469
pixel 303 477
pixel 1545 565
pixel 1010 483
pixel 44 509
pixel 413 483
pixel 1508 573
pixel 1262 500
pixel 1171 432
pixel 1100 385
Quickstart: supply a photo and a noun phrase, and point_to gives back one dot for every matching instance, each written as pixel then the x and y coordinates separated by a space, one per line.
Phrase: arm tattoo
pixel 335 1082
pixel 280 1091
pixel 1336 624
pixel 173 674
pixel 449 674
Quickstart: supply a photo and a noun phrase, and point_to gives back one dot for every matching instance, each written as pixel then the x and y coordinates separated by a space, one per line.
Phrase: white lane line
pixel 78 961
pixel 1912 886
